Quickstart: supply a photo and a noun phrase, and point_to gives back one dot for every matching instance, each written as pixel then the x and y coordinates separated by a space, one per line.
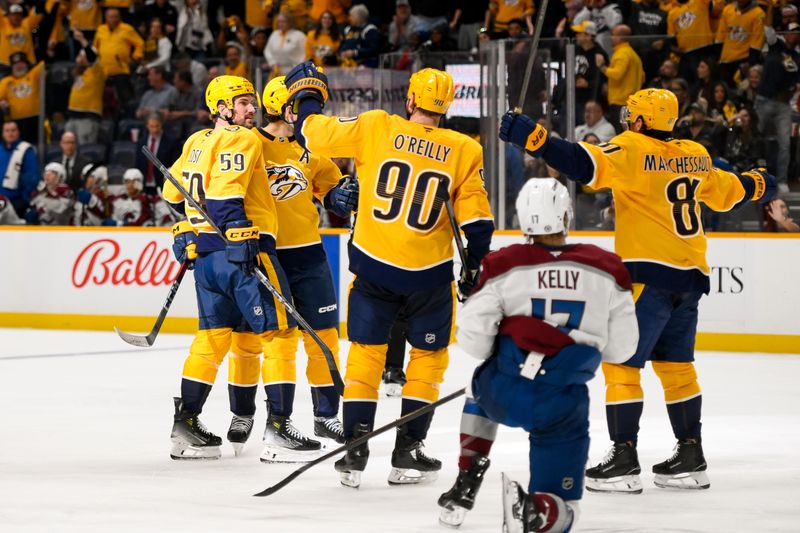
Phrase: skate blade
pixel 272 454
pixel 630 484
pixel 687 481
pixel 410 476
pixel 511 505
pixel 350 479
pixel 238 448
pixel 452 517
pixel 392 390
pixel 182 451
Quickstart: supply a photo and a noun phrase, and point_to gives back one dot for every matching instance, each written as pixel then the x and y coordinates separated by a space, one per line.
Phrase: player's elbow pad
pixel 570 159
pixel 479 237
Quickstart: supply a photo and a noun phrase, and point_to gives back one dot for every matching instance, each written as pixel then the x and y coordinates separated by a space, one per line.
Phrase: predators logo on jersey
pixel 286 181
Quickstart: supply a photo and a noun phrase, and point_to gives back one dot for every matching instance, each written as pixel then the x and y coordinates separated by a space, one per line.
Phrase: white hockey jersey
pixel 583 290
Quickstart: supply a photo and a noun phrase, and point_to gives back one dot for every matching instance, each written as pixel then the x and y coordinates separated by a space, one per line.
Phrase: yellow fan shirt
pixel 690 24
pixel 22 94
pixel 739 32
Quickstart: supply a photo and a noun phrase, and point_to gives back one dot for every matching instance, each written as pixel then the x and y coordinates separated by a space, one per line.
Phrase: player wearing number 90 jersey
pixel 402 246
pixel 658 183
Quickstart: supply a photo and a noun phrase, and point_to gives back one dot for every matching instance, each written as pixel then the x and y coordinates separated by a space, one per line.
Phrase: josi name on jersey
pixel 678 165
pixel 423 147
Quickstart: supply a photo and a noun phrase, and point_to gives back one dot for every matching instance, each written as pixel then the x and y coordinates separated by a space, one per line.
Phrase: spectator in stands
pixel 157 47
pixel 516 30
pixel 258 41
pixel 748 87
pixel 86 17
pixel 781 76
pixel 296 10
pixel 193 34
pixel 361 43
pixel 182 115
pixel 703 85
pixel 322 43
pixel 469 18
pixel 605 15
pixel 52 203
pixel 649 23
pixel 777 217
pixel 680 88
pixel 501 12
pixel 91 200
pixel 165 147
pixel 20 96
pixel 789 14
pixel 590 138
pixel 256 16
pixel 696 127
pixel 625 73
pixel 741 32
pixel 588 78
pixel 159 96
pixel 337 8
pixel 404 25
pixel 572 8
pixel 85 108
pixel 286 47
pixel 689 23
pixel 440 41
pixel 16 34
pixel 721 108
pixel 667 72
pixel 162 10
pixel 19 168
pixel 117 45
pixel 72 161
pixel 235 62
pixel 744 147
pixel 594 123
pixel 198 70
pixel 131 208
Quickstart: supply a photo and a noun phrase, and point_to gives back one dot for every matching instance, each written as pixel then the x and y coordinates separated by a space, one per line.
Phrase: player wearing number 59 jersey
pixel 402 246
pixel 658 184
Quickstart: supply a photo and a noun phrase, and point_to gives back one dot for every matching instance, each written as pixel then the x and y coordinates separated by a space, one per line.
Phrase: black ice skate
pixel 461 497
pixel 686 469
pixel 190 438
pixel 530 513
pixel 393 380
pixel 283 443
pixel 410 464
pixel 239 432
pixel 329 428
pixel 355 460
pixel 618 472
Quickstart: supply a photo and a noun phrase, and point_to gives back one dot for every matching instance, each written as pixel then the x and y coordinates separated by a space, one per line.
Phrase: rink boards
pixel 83 278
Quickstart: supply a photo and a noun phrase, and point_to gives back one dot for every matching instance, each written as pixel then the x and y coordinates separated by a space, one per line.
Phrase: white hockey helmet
pixel 99 172
pixel 134 174
pixel 544 207
pixel 58 169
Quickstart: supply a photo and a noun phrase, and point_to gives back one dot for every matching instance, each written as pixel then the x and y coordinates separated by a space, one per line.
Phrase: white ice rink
pixel 84 446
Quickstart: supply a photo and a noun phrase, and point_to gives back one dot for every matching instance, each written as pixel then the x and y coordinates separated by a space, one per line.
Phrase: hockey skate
pixel 393 381
pixel 283 443
pixel 354 461
pixel 530 513
pixel 329 428
pixel 239 432
pixel 190 438
pixel 686 469
pixel 410 464
pixel 461 497
pixel 617 472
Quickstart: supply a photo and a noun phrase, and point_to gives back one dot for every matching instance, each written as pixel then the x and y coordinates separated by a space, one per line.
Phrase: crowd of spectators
pixel 130 73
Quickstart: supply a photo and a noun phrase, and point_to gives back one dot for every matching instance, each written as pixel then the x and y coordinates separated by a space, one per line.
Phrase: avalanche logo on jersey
pixel 286 182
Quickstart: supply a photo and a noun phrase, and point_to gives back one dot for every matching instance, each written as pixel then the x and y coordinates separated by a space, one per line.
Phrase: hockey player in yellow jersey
pixel 658 184
pixel 223 168
pixel 296 177
pixel 402 247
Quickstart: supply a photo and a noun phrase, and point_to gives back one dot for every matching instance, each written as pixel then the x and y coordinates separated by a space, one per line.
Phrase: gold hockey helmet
pixel 225 89
pixel 657 107
pixel 275 96
pixel 432 90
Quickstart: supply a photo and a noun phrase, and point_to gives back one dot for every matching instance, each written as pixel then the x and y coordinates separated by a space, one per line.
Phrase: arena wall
pixel 84 278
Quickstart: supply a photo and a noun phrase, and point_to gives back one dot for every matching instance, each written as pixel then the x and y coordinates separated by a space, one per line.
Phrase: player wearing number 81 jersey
pixel 658 183
pixel 402 246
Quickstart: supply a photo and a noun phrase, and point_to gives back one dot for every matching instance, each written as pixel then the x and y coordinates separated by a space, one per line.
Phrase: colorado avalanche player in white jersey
pixel 540 316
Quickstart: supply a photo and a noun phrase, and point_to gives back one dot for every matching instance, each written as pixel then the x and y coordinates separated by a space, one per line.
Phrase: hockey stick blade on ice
pixel 537 32
pixel 359 441
pixel 338 384
pixel 146 341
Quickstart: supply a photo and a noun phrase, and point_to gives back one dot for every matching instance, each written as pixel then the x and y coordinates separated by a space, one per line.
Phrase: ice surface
pixel 84 446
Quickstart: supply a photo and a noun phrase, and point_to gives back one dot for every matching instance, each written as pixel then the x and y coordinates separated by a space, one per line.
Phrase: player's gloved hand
pixel 83 196
pixel 242 247
pixel 466 282
pixel 110 222
pixel 766 184
pixel 343 199
pixel 31 216
pixel 305 81
pixel 524 132
pixel 184 244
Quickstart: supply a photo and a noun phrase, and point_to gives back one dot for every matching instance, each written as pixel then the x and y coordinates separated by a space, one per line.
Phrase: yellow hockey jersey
pixel 402 237
pixel 86 95
pixel 19 39
pixel 739 32
pixel 658 187
pixel 22 94
pixel 296 177
pixel 690 24
pixel 224 171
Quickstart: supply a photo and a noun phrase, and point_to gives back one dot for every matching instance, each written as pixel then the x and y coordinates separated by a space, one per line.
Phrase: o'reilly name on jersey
pixel 423 147
pixel 678 165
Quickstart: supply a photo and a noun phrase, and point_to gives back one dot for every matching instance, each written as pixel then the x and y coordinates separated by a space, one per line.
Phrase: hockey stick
pixel 537 32
pixel 359 441
pixel 451 214
pixel 145 341
pixel 338 384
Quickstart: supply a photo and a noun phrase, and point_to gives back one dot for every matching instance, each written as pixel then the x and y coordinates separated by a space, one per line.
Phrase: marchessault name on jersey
pixel 679 165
